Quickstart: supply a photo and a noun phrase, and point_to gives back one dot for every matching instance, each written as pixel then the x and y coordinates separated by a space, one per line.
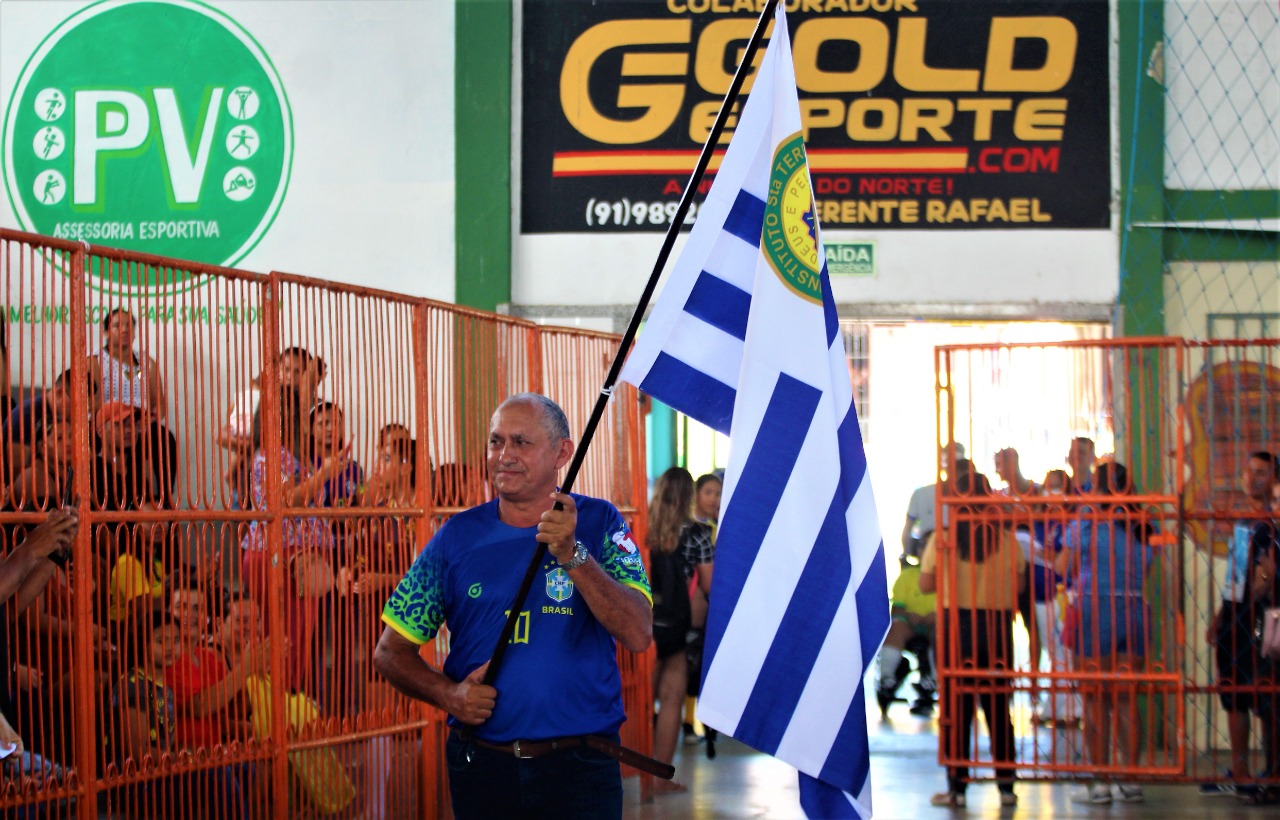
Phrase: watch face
pixel 580 556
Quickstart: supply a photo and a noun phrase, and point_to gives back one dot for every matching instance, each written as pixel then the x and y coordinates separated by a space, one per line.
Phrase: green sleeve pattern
pixel 416 606
pixel 621 559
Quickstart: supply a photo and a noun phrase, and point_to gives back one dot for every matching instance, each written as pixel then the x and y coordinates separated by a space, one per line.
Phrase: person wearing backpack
pixel 677 544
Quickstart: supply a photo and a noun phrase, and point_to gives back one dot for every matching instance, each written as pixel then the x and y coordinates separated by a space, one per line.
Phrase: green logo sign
pixel 790 235
pixel 474 590
pixel 851 258
pixel 152 126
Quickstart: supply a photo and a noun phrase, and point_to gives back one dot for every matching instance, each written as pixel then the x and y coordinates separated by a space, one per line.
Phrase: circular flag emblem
pixel 790 234
pixel 157 126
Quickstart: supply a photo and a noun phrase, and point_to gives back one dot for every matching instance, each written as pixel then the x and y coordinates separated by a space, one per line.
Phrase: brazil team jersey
pixel 560 675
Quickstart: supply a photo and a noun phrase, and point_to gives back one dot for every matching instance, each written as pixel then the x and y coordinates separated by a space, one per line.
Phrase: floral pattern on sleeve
pixel 621 558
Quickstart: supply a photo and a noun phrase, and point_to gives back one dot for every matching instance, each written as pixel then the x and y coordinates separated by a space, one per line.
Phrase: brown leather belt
pixel 528 749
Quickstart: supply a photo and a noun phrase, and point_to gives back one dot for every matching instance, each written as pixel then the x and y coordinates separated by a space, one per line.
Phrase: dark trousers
pixel 985 643
pixel 574 784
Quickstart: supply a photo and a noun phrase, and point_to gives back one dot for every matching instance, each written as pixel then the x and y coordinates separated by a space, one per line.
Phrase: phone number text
pixel 628 212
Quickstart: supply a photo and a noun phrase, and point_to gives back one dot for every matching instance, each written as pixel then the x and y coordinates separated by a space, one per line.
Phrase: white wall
pixel 949 267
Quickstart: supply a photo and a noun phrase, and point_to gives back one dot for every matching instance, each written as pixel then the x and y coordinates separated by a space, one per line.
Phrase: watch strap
pixel 580 557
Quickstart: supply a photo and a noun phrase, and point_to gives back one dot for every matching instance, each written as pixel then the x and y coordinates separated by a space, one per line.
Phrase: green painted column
pixel 482 152
pixel 1142 203
pixel 1142 195
pixel 1141 298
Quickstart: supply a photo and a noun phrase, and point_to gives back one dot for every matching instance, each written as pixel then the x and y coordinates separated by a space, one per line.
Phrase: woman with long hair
pixel 677 544
pixel 307 541
pixel 978 592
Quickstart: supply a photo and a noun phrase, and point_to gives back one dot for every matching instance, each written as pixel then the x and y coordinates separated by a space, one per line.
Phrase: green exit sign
pixel 851 258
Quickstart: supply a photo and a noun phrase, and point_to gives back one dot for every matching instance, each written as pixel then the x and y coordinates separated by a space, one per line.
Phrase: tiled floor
pixel 741 783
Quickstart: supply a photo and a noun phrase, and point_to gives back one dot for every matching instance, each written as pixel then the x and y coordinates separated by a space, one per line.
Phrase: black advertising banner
pixel 918 114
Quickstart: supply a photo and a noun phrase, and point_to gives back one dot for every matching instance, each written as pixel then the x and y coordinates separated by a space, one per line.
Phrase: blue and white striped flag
pixel 745 339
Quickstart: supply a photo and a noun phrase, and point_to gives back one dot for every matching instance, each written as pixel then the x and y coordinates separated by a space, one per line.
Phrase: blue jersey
pixel 1112 561
pixel 559 675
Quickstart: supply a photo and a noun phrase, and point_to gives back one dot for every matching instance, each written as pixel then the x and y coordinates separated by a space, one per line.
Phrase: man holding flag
pixel 745 339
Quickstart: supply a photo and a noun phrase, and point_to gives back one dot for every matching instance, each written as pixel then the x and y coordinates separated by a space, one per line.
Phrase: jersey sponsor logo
pixel 473 591
pixel 622 538
pixel 104 141
pixel 559 587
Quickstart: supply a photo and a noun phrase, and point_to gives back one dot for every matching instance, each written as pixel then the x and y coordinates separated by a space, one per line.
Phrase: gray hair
pixel 554 421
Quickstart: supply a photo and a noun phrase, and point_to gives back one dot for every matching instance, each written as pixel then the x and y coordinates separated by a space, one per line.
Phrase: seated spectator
pixel 47 480
pixel 307 542
pixel 118 481
pixel 1108 563
pixel 24 574
pixel 237 632
pixel 396 435
pixel 23 423
pixel 204 686
pixel 44 662
pixel 136 585
pixel 116 373
pixel 328 442
pixel 395 468
pixel 145 716
pixel 385 548
pixel 302 371
pixel 318 772
pixel 141 701
pixel 125 472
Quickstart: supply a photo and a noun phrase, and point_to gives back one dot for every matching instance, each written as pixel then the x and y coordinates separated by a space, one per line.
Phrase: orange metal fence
pixel 254 461
pixel 1119 658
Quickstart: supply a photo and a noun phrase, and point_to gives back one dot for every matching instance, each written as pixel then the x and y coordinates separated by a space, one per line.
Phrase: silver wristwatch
pixel 580 557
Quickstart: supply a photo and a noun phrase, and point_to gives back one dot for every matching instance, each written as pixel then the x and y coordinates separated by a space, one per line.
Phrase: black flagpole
pixel 606 392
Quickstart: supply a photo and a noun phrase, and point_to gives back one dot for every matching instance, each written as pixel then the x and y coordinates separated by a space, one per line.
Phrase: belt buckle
pixel 515 748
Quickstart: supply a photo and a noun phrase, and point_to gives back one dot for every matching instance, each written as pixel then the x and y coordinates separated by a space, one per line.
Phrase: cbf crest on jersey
pixel 559 587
